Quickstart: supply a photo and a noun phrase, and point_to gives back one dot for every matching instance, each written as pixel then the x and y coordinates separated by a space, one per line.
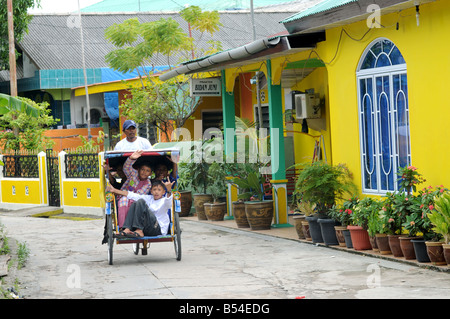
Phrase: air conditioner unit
pixel 307 106
pixel 96 114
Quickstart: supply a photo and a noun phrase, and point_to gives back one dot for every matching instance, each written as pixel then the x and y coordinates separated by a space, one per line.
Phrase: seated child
pixel 162 172
pixel 147 216
pixel 137 182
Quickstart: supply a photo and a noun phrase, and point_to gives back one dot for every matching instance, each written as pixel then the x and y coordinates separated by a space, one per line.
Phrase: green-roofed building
pixel 172 5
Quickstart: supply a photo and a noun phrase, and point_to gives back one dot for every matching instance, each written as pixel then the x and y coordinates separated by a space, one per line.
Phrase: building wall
pixel 69 138
pixel 304 143
pixel 426 54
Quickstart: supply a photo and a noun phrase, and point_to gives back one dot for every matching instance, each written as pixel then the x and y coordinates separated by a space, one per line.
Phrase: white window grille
pixel 383 116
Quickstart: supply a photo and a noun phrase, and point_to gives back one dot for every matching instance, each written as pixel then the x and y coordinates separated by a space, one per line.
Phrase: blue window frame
pixel 383 116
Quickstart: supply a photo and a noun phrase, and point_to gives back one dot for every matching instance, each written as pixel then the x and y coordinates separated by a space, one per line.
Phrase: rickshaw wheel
pixel 136 248
pixel 177 239
pixel 109 223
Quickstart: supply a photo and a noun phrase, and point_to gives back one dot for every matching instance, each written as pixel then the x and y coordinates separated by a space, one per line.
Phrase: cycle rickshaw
pixel 116 159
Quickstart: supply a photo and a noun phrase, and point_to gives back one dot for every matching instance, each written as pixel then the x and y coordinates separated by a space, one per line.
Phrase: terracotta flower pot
pixel 340 234
pixel 259 214
pixel 383 244
pixel 305 226
pixel 436 253
pixel 298 225
pixel 215 211
pixel 199 201
pixel 446 248
pixel 394 244
pixel 186 203
pixel 407 247
pixel 360 238
pixel 373 243
pixel 239 214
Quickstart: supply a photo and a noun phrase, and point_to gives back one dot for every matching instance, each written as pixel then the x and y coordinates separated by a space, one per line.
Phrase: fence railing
pixel 82 165
pixel 21 166
pixel 76 181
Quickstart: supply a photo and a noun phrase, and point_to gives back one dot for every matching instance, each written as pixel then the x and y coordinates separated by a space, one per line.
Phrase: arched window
pixel 383 116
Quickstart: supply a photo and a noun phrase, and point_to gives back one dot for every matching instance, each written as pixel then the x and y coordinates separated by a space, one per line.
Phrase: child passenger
pixel 137 182
pixel 147 216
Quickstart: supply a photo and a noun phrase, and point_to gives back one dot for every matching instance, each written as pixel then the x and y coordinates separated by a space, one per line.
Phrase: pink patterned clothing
pixel 132 184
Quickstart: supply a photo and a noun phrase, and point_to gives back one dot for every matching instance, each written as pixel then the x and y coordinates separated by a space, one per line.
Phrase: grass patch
pixel 19 252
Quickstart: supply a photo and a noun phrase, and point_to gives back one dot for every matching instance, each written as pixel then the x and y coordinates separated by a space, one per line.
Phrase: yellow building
pixel 386 77
pixel 380 74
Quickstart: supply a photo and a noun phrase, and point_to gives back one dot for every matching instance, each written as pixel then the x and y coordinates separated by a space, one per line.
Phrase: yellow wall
pixel 81 199
pixel 304 144
pixel 33 196
pixel 209 103
pixel 426 51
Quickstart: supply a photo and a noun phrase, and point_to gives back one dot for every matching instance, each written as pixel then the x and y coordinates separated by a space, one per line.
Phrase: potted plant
pixel 306 209
pixel 440 218
pixel 345 218
pixel 373 224
pixel 322 184
pixel 360 220
pixel 400 209
pixel 409 179
pixel 413 225
pixel 196 172
pixel 385 226
pixel 238 207
pixel 186 194
pixel 427 196
pixel 259 211
pixel 216 210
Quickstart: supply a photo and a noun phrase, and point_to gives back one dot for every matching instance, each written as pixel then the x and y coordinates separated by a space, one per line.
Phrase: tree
pixel 22 124
pixel 166 104
pixel 21 20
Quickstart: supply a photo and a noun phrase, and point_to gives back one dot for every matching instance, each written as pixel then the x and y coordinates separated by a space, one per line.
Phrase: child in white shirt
pixel 147 216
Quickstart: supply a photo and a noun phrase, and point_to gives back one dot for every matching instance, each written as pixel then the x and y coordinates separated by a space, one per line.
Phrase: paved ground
pixel 68 261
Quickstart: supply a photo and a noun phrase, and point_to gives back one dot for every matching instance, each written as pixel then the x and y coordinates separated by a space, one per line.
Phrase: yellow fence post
pixel 1 178
pixel 43 183
pixel 62 176
pixel 232 193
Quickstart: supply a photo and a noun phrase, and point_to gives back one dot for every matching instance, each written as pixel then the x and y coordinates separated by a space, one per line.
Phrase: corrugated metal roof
pixel 322 6
pixel 52 44
pixel 294 6
pixel 172 5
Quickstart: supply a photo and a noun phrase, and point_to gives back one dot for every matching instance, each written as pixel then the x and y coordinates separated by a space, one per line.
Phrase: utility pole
pixel 258 92
pixel 85 76
pixel 12 50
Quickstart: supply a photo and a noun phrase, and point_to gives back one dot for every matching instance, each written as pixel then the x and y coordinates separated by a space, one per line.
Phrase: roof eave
pixel 346 14
pixel 255 51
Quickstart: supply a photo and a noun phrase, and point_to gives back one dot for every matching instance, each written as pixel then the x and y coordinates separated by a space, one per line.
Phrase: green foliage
pixel 343 213
pixel 21 21
pixel 366 211
pixel 22 129
pixel 323 184
pixel 251 185
pixel 217 173
pixel 409 178
pixel 91 146
pixel 17 104
pixel 202 21
pixel 23 252
pixel 440 216
pixel 195 169
pixel 167 105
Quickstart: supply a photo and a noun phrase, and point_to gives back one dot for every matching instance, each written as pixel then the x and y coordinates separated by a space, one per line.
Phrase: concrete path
pixel 68 261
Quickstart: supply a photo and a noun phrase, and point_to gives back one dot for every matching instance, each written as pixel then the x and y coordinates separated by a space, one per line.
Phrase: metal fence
pixel 82 165
pixel 21 166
